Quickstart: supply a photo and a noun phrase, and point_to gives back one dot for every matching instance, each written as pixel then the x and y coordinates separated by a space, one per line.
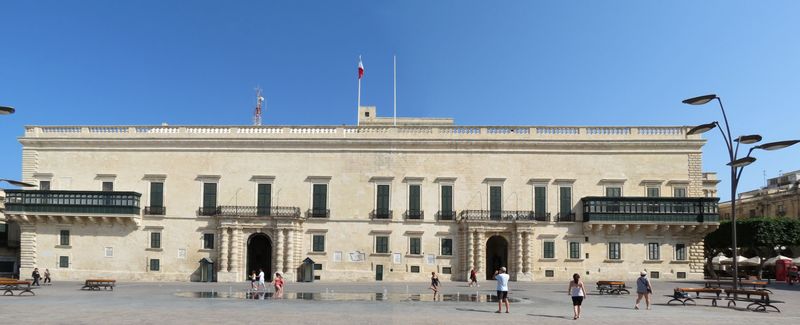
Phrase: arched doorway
pixel 259 255
pixel 496 255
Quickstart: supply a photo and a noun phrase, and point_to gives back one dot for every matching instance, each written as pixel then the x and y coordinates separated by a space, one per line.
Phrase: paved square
pixel 364 303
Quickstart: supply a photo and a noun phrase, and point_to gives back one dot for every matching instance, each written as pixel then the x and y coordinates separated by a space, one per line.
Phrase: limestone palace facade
pixel 372 202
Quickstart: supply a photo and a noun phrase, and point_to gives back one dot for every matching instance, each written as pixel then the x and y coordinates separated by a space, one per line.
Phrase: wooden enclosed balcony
pixel 650 210
pixel 70 206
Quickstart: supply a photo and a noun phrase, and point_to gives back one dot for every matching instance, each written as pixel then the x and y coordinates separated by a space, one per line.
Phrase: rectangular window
pixel 540 202
pixel 63 261
pixel 680 252
pixel 319 243
pixel 415 246
pixel 653 191
pixel 208 241
pixel 655 275
pixel 679 192
pixel 209 198
pixel 549 249
pixel 574 250
pixel 681 275
pixel 495 202
pixel 155 264
pixel 614 251
pixel 318 267
pixel 382 244
pixel 382 201
pixel 108 186
pixel 44 185
pixel 447 246
pixel 320 200
pixel 447 203
pixel 549 273
pixel 155 240
pixel 415 269
pixel 447 270
pixel 613 191
pixel 156 194
pixel 413 202
pixel 264 199
pixel 653 252
pixel 109 251
pixel 64 238
pixel 565 201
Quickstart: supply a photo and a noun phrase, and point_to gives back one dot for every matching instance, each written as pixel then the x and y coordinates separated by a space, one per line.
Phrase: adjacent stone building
pixel 780 198
pixel 373 202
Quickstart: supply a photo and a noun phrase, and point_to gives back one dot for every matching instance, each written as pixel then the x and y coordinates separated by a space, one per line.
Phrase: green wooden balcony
pixel 72 202
pixel 598 209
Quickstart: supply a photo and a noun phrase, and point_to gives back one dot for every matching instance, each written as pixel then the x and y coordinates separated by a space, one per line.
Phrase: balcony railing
pixel 566 217
pixel 249 211
pixel 498 215
pixel 380 214
pixel 445 215
pixel 155 211
pixel 207 211
pixel 648 209
pixel 318 213
pixel 60 201
pixel 414 215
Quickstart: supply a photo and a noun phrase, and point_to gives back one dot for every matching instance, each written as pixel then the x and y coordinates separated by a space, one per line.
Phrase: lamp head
pixel 748 139
pixel 17 183
pixel 777 145
pixel 703 128
pixel 700 100
pixel 741 162
pixel 6 110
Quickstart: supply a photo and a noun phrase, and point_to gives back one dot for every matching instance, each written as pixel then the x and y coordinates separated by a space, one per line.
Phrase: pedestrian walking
pixel 473 277
pixel 502 288
pixel 35 275
pixel 643 289
pixel 278 282
pixel 47 276
pixel 253 279
pixel 578 293
pixel 434 285
pixel 261 283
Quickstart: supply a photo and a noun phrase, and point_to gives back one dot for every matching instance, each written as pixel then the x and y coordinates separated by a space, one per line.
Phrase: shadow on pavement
pixel 549 316
pixel 475 310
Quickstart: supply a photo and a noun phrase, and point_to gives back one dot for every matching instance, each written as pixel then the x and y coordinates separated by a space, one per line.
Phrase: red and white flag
pixel 360 68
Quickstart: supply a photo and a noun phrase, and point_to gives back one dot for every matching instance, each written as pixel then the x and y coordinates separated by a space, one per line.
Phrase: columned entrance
pixel 259 255
pixel 496 255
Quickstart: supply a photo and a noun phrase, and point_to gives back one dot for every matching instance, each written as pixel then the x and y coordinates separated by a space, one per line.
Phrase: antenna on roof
pixel 259 101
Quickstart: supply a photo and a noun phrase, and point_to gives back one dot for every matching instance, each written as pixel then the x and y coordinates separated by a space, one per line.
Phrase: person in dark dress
pixel 35 275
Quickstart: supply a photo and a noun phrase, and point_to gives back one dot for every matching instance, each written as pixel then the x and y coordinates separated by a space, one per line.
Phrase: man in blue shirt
pixel 502 288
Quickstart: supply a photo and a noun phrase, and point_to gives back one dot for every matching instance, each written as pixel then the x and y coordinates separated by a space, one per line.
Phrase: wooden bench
pixel 8 287
pixel 756 304
pixel 93 284
pixel 682 295
pixel 612 287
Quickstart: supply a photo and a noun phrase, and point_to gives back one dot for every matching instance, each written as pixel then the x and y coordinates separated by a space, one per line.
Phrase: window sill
pixel 573 260
pixel 414 255
pixel 679 262
pixel 380 254
pixel 63 246
pixel 652 261
pixel 209 250
pixel 447 257
pixel 612 261
pixel 548 260
pixel 154 249
pixel 317 253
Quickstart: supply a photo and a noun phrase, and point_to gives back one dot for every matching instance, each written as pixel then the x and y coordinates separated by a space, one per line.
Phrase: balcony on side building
pixel 675 210
pixel 504 215
pixel 64 204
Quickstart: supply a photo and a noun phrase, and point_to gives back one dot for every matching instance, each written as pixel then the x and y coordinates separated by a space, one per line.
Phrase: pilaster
pixel 27 249
pixel 279 251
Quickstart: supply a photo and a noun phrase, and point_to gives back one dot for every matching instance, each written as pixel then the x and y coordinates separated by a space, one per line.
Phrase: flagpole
pixel 358 108
pixel 395 90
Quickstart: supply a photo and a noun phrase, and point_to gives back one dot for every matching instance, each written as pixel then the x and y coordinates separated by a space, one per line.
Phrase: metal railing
pixel 566 217
pixel 649 209
pixel 318 213
pixel 380 214
pixel 524 215
pixel 61 201
pixel 249 211
pixel 155 211
pixel 445 215
pixel 414 215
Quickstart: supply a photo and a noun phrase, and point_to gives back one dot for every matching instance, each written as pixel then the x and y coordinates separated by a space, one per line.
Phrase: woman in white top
pixel 578 293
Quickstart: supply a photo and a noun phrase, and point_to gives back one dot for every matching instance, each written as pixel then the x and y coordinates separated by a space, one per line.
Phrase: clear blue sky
pixel 481 62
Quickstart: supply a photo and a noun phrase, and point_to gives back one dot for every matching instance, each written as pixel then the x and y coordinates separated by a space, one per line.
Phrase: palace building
pixel 373 202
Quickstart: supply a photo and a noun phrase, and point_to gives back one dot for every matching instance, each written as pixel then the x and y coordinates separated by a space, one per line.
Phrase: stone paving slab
pixel 540 303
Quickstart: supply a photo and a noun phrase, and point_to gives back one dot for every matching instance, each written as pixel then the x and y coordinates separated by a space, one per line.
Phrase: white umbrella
pixel 739 259
pixel 772 261
pixel 753 261
pixel 719 259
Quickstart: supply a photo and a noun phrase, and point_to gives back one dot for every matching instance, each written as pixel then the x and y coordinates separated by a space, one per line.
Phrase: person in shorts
pixel 502 288
pixel 578 293
pixel 434 285
pixel 473 277
pixel 643 290
pixel 253 279
pixel 261 283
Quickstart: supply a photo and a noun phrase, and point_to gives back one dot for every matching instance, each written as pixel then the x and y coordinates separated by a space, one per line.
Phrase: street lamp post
pixel 736 164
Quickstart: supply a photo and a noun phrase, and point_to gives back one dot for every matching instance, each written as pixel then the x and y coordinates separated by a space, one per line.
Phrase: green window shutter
pixel 495 200
pixel 319 243
pixel 156 194
pixel 320 198
pixel 413 198
pixel 613 192
pixel 209 195
pixel 447 246
pixel 565 201
pixel 383 199
pixel 653 192
pixel 540 193
pixel 447 199
pixel 264 199
pixel 549 249
pixel 381 244
pixel 415 246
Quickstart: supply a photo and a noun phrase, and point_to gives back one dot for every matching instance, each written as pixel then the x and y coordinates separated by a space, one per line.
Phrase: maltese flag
pixel 360 68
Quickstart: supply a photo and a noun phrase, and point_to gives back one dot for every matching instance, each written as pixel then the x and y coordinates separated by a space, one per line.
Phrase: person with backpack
pixel 643 289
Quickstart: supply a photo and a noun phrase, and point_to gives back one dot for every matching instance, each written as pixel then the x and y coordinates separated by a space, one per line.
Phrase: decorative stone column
pixel 518 260
pixel 236 247
pixel 290 267
pixel 223 249
pixel 279 266
pixel 479 247
pixel 526 253
pixel 27 249
pixel 470 262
